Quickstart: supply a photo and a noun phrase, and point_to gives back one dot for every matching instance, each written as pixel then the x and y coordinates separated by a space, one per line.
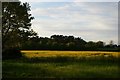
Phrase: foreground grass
pixel 62 66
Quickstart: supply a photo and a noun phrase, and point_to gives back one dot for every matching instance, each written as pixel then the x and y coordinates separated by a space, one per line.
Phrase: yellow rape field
pixel 39 53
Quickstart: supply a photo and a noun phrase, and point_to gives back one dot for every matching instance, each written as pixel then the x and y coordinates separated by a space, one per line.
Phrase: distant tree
pixel 79 43
pixel 58 38
pixel 100 44
pixel 111 43
pixel 90 45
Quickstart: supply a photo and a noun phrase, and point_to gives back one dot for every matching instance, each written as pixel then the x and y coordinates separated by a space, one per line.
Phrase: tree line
pixel 61 42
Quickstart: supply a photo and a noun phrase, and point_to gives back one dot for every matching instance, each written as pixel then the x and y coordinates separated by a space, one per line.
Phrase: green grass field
pixel 63 64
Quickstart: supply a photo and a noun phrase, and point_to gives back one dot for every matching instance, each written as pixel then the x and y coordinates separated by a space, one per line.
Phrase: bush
pixel 11 53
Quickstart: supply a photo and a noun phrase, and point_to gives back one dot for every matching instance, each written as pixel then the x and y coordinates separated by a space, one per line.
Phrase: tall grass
pixel 16 69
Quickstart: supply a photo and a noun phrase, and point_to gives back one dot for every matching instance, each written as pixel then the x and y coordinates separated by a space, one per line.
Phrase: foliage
pixel 11 53
pixel 16 22
pixel 60 42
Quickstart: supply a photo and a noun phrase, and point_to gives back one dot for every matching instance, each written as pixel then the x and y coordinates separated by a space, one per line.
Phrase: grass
pixel 63 64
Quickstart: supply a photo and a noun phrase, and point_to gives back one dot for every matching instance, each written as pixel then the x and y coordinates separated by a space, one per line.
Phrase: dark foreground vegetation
pixel 11 53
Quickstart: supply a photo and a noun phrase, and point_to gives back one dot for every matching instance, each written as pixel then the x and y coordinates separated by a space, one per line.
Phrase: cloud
pixel 46 0
pixel 91 21
pixel 68 0
pixel 96 0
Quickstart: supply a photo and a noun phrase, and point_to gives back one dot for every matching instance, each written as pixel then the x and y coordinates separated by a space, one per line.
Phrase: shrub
pixel 11 53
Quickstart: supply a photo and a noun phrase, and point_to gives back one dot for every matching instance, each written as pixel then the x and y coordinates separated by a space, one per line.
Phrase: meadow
pixel 63 64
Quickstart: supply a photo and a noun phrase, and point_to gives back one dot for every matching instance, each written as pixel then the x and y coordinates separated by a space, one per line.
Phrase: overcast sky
pixel 92 21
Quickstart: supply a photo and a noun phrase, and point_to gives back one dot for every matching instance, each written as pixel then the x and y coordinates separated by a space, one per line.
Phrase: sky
pixel 92 21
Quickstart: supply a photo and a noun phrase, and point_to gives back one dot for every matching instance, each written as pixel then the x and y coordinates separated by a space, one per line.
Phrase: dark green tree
pixel 16 27
pixel 16 22
pixel 90 45
pixel 100 44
